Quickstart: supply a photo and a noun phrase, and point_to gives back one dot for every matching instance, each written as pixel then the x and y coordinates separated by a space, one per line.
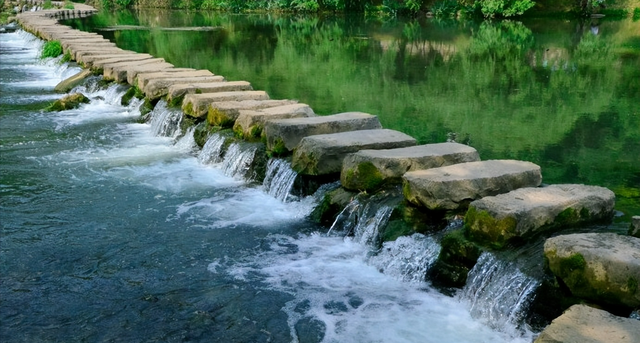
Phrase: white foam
pixel 354 300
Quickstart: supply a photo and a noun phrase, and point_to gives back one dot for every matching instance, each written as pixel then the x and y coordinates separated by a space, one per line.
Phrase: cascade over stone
pixel 368 169
pixel 66 85
pixel 584 324
pixel 602 267
pixel 250 123
pixel 323 154
pixel 285 134
pixel 525 212
pixel 197 105
pixel 225 113
pixel 451 187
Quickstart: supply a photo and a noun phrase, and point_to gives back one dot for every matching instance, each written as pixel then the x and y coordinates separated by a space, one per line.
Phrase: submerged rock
pixel 524 212
pixel 634 230
pixel 68 102
pixel 602 267
pixel 68 84
pixel 584 324
pixel 455 186
pixel 369 169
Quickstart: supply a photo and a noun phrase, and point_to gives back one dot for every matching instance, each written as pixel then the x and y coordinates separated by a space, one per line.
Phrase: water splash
pixel 237 160
pixel 279 179
pixel 212 150
pixel 165 121
pixel 498 292
pixel 407 258
pixel 187 143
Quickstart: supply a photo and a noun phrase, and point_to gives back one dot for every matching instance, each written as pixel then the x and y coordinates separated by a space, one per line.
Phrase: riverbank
pixel 126 67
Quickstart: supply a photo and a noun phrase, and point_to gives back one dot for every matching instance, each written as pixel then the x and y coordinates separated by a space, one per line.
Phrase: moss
pixel 572 263
pixel 51 49
pixel 126 98
pixel 188 109
pixel 632 285
pixel 331 205
pixel 198 91
pixel 146 107
pixel 457 256
pixel 219 118
pixel 176 101
pixel 278 148
pixel 66 58
pixel 486 229
pixel 68 102
pixel 255 131
pixel 406 220
pixel 365 177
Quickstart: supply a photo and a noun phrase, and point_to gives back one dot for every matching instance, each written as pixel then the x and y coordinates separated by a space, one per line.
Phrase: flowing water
pixel 114 230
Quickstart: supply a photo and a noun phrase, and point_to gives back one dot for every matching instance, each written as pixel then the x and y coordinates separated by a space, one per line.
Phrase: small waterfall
pixel 212 150
pixel 187 142
pixel 408 257
pixel 279 179
pixel 237 160
pixel 367 230
pixel 498 292
pixel 165 121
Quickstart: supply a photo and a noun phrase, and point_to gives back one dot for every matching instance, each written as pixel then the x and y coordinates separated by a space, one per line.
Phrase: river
pixel 111 233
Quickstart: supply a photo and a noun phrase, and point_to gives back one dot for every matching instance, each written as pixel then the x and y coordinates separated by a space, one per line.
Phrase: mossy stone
pixel 486 229
pixel 278 148
pixel 126 98
pixel 457 257
pixel 365 177
pixel 68 102
pixel 217 117
pixel 331 205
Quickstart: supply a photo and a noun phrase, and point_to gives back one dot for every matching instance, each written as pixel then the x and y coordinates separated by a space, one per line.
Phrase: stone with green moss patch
pixel 601 267
pixel 457 256
pixel 68 102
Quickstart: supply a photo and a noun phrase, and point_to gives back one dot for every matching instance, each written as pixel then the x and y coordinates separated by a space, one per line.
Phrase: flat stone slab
pixel 144 78
pixel 157 88
pixel 225 113
pixel 369 169
pixel 455 186
pixel 197 105
pixel 526 212
pixel 323 154
pixel 179 90
pixel 96 62
pixel 584 324
pixel 118 70
pixel 284 135
pixel 601 267
pixel 129 73
pixel 78 55
pixel 133 79
pixel 250 123
pixel 71 43
pixel 634 230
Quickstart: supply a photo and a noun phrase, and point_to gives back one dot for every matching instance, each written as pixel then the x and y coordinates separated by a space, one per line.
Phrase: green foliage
pixel 47 5
pixel 51 49
pixel 636 14
pixel 124 3
pixel 445 8
pixel 503 8
pixel 68 5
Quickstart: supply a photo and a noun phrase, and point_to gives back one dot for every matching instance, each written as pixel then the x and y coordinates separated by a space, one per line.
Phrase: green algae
pixel 364 177
pixel 486 229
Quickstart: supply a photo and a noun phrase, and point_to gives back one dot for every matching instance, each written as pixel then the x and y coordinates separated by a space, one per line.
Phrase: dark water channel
pixel 113 233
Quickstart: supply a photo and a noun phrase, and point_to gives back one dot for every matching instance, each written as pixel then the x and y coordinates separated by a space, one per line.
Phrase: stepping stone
pixel 584 324
pixel 176 92
pixel 133 79
pixel 323 154
pixel 369 169
pixel 224 114
pixel 525 212
pixel 144 78
pixel 601 267
pixel 119 71
pixel 197 105
pixel 284 135
pixel 96 63
pixel 78 55
pixel 130 72
pixel 250 123
pixel 157 88
pixel 70 43
pixel 451 187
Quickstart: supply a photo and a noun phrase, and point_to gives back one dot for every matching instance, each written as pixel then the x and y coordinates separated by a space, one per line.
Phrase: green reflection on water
pixel 562 94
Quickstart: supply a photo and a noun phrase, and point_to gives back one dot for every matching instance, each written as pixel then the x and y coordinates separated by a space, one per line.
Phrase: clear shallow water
pixel 110 233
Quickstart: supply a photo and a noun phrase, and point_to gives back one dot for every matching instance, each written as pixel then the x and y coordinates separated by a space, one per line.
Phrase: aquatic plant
pixel 51 49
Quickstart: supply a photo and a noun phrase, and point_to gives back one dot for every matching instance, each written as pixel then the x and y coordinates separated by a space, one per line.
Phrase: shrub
pixel 51 49
pixel 445 8
pixel 47 5
pixel 504 8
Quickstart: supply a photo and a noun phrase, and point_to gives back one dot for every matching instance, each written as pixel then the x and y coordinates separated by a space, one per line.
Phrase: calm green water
pixel 562 94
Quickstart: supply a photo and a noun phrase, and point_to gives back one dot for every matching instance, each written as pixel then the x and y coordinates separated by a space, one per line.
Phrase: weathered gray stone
pixel 119 70
pixel 93 41
pixel 323 154
pixel 79 55
pixel 250 123
pixel 157 88
pixel 143 79
pixel 96 62
pixel 68 102
pixel 133 78
pixel 634 230
pixel 179 90
pixel 369 169
pixel 526 212
pixel 285 134
pixel 225 113
pixel 602 267
pixel 66 85
pixel 197 105
pixel 584 324
pixel 451 187
pixel 129 73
